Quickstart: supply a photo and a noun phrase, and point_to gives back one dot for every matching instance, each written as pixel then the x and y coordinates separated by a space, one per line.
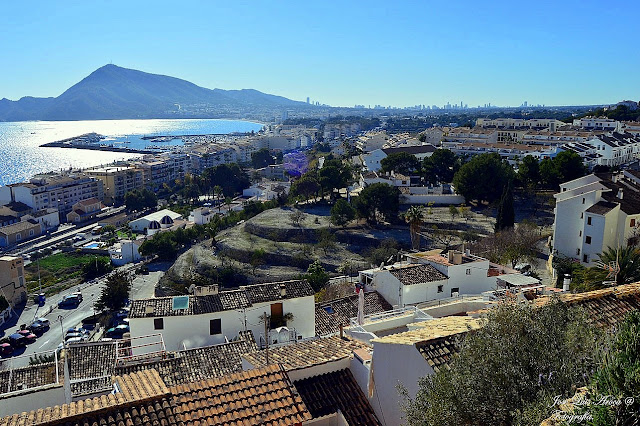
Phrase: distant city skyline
pixel 357 53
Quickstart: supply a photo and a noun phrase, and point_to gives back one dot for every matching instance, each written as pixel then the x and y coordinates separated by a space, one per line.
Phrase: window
pixel 440 288
pixel 18 237
pixel 632 223
pixel 587 239
pixel 589 220
pixel 583 201
pixel 158 323
pixel 215 326
pixel 585 258
pixel 581 215
pixel 468 271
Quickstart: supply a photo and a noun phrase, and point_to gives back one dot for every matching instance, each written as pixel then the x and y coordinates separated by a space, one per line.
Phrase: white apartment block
pixel 519 123
pixel 53 191
pixel 595 212
pixel 597 123
pixel 607 149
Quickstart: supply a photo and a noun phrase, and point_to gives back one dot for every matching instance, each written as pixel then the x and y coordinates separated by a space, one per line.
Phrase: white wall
pixel 418 293
pixel 445 199
pixel 19 402
pixel 5 195
pixel 23 195
pixel 395 365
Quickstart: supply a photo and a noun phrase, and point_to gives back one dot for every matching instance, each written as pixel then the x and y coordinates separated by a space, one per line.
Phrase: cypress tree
pixel 506 215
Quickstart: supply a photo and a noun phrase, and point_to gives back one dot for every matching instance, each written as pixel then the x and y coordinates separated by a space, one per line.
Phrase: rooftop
pixel 432 329
pixel 327 393
pixel 416 273
pixel 334 313
pixel 223 301
pixel 306 353
pixel 259 396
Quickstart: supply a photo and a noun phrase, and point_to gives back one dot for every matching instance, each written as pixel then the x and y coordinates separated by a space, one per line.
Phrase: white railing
pixel 386 315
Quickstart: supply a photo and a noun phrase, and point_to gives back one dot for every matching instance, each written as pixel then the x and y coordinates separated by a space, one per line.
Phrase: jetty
pixel 91 141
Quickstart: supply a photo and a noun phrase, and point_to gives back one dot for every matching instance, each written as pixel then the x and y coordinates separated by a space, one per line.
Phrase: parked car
pixel 70 336
pixel 36 327
pixel 17 340
pixel 28 335
pixel 117 331
pixel 75 340
pixel 6 349
pixel 43 321
pixel 71 300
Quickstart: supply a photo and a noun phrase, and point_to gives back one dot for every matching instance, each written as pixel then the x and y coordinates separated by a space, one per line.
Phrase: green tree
pixel 618 377
pixel 506 214
pixel 342 213
pixel 388 249
pixel 261 158
pixel 440 167
pixel 378 201
pixel 317 276
pixel 520 359
pixel 115 292
pixel 258 258
pixel 162 245
pixel 483 178
pixel 101 265
pixel 510 246
pixel 453 211
pixel 529 172
pixel 305 187
pixel 326 241
pixel 400 162
pixel 140 199
pixel 330 178
pixel 414 216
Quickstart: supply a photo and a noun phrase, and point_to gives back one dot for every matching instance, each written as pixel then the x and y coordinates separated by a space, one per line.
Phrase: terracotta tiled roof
pixel 417 274
pixel 163 306
pixel 306 353
pixel 272 291
pixel 327 393
pixel 223 301
pixel 29 377
pixel 605 307
pixel 258 396
pixel 142 399
pixel 330 315
pixel 438 352
pixel 199 363
pixel 91 366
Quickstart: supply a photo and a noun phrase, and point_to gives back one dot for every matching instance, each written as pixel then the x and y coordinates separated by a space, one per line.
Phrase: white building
pixel 201 215
pixel 265 190
pixel 159 220
pixel 126 251
pixel 597 123
pixel 429 276
pixel 210 316
pixel 607 149
pixel 595 212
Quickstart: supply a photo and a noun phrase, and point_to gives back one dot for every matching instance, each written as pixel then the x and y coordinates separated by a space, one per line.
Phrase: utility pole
pixel 39 280
pixel 61 327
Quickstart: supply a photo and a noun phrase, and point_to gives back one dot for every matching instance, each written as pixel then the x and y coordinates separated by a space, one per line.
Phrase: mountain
pixel 113 92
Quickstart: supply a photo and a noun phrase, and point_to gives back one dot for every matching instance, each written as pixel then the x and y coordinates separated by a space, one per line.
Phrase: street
pixel 142 287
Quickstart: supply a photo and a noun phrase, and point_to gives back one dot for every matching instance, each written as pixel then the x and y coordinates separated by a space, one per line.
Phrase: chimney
pixel 455 257
pixel 283 290
pixel 207 290
pixel 565 283
pixel 620 193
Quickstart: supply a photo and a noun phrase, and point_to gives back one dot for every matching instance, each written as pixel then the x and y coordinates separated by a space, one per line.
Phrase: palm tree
pixel 628 261
pixel 414 217
pixel 217 190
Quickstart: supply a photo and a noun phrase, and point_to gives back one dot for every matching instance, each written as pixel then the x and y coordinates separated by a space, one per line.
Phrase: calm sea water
pixel 22 157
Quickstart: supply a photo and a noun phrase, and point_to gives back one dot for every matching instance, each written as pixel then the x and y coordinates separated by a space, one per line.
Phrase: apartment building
pixel 53 191
pixel 12 283
pixel 117 181
pixel 519 123
pixel 607 149
pixel 597 123
pixel 596 212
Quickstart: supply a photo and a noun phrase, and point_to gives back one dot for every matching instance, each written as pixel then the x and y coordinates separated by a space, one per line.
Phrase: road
pixel 142 287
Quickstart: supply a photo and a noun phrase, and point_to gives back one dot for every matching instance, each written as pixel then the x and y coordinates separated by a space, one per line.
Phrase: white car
pixel 43 321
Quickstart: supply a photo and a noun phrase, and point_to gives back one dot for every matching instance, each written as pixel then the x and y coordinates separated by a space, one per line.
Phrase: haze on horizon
pixel 503 53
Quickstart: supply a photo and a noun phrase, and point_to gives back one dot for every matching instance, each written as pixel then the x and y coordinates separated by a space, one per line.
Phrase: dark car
pixel 17 340
pixel 70 301
pixel 36 327
pixel 117 332
pixel 5 349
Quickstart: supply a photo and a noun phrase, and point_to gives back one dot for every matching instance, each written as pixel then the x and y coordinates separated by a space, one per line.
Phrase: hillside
pixel 113 92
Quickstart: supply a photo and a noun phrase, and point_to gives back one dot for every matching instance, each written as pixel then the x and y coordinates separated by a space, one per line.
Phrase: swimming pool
pixel 93 245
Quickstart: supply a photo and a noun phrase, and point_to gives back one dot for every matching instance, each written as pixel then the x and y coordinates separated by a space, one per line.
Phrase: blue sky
pixel 336 52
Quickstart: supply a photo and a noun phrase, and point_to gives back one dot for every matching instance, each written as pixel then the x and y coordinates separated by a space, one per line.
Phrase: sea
pixel 21 156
